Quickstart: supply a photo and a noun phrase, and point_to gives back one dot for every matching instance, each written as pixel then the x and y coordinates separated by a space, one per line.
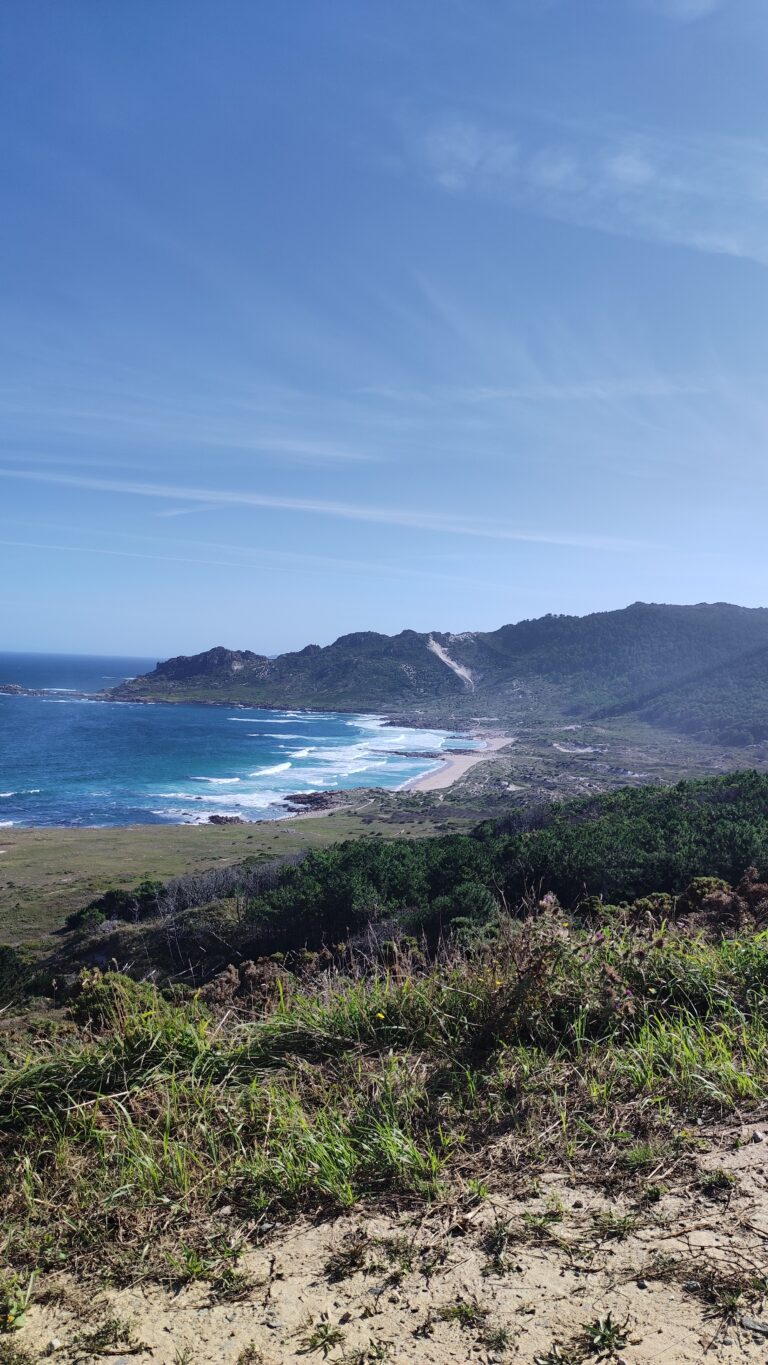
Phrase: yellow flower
pixel 379 1016
pixel 499 983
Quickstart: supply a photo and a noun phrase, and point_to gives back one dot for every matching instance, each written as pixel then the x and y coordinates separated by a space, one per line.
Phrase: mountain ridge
pixel 694 669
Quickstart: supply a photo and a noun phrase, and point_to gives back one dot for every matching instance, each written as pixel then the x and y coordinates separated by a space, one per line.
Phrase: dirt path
pixel 510 1280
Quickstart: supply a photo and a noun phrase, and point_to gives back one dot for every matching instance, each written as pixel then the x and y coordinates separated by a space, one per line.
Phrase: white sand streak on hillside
pixel 458 669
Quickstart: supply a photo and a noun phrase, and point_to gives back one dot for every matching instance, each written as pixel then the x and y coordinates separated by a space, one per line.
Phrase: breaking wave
pixel 216 781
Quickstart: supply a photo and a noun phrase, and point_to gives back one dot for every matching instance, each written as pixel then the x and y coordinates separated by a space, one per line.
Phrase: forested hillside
pixel 728 705
pixel 696 669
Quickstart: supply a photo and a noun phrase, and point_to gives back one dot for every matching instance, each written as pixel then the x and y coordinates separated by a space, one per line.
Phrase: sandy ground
pixel 399 1302
pixel 456 765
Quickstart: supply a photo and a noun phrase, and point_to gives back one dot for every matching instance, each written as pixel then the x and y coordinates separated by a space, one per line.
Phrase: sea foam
pixel 216 781
pixel 142 760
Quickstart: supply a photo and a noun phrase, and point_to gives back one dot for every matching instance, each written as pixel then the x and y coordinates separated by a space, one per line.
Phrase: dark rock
pixel 754 1325
pixel 311 801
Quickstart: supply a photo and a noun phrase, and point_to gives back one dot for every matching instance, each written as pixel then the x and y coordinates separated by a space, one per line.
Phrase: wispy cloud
pixel 708 193
pixel 256 559
pixel 685 11
pixel 598 390
pixel 440 523
pixel 230 425
pixel 191 509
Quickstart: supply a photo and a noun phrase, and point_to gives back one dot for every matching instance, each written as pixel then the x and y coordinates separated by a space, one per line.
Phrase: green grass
pixel 321 1337
pixel 124 1133
pixel 604 1336
pixel 467 1313
pixel 45 874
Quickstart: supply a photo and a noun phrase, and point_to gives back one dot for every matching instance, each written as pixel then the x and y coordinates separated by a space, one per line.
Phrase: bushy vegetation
pixel 119 903
pixel 617 847
pixel 401 1008
pixel 151 1132
pixel 629 842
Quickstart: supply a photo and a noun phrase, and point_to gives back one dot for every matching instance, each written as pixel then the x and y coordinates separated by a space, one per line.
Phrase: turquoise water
pixel 69 761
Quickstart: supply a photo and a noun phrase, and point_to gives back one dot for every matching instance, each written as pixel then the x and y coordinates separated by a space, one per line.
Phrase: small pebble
pixel 758 1328
pixel 642 1284
pixel 691 1286
pixel 727 1341
pixel 757 1136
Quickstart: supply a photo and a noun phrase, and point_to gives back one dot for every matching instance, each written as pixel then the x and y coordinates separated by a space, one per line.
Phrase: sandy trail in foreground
pixel 425 1289
pixel 456 765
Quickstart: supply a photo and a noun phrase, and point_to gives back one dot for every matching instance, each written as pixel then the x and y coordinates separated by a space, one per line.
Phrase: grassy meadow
pixel 45 874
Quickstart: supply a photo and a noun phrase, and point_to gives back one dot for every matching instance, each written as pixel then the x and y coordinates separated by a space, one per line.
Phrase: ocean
pixel 69 761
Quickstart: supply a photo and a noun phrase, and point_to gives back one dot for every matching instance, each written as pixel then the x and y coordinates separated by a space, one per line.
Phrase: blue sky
pixel 327 316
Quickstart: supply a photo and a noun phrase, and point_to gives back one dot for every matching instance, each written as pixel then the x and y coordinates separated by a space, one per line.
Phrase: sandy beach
pixel 455 766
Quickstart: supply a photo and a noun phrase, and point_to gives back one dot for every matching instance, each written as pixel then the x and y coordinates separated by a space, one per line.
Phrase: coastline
pixel 454 766
pixel 29 810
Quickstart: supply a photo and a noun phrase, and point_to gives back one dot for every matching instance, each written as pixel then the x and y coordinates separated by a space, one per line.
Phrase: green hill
pixel 356 671
pixel 696 669
pixel 728 704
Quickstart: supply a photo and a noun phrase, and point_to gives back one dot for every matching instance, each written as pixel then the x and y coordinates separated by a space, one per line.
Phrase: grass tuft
pixel 125 1134
pixel 321 1337
pixel 468 1313
pixel 605 1336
